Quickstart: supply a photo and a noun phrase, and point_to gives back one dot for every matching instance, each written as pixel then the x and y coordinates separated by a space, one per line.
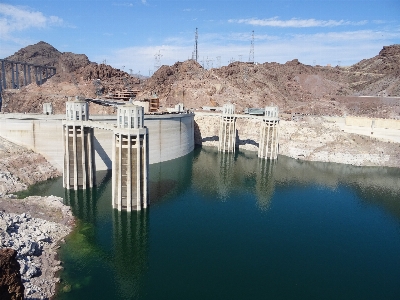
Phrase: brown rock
pixel 11 287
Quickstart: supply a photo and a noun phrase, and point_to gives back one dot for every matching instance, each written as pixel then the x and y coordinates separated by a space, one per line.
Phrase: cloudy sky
pixel 130 34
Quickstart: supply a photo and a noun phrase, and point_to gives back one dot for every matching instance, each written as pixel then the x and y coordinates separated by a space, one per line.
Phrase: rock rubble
pixel 36 241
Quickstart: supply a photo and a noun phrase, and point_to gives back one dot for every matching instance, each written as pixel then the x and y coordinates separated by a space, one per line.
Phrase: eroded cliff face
pixel 20 167
pixel 312 139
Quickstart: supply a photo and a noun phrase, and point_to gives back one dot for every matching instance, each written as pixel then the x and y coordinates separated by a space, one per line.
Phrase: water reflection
pixel 83 203
pixel 220 175
pixel 130 237
pixel 170 178
pixel 265 183
pixel 226 174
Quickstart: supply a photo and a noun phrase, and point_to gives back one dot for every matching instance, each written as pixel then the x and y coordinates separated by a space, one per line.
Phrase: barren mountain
pixel 76 76
pixel 293 86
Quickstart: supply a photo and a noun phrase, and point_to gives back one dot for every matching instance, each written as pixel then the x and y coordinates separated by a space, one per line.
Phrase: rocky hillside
pixel 76 75
pixel 293 86
pixel 379 75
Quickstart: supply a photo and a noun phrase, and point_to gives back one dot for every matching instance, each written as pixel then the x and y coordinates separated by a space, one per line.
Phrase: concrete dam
pixel 126 145
pixel 170 136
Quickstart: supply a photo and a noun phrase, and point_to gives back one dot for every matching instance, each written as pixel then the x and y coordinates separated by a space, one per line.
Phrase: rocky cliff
pixel 292 86
pixel 20 167
pixel 76 75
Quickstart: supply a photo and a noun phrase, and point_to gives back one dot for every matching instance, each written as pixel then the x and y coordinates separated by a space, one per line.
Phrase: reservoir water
pixel 231 226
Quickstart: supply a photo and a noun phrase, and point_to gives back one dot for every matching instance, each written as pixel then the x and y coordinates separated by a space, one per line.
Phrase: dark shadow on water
pixel 210 139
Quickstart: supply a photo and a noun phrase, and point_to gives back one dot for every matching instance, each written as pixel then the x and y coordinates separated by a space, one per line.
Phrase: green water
pixel 236 227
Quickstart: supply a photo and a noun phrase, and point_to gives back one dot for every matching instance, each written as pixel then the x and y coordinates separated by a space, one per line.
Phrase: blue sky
pixel 128 34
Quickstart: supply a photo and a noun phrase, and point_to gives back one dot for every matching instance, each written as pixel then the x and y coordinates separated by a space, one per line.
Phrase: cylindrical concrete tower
pixel 79 163
pixel 227 129
pixel 130 160
pixel 269 135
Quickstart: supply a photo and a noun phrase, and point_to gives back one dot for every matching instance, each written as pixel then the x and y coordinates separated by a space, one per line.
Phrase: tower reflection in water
pixel 83 203
pixel 265 182
pixel 240 172
pixel 124 248
pixel 130 237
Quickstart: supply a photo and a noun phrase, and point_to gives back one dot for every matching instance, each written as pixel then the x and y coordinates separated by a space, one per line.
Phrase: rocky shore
pixel 35 239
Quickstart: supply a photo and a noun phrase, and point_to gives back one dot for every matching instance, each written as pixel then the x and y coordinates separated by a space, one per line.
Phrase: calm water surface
pixel 236 227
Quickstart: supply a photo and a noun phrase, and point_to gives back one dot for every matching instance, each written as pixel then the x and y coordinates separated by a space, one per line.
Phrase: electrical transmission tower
pixel 195 55
pixel 218 62
pixel 251 55
pixel 208 63
pixel 157 60
pixel 202 62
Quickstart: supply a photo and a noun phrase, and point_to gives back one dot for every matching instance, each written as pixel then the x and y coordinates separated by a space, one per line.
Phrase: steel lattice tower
pixel 196 53
pixel 157 60
pixel 251 55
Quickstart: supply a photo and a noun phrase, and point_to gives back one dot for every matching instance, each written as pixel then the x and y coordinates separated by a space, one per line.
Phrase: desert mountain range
pixel 293 86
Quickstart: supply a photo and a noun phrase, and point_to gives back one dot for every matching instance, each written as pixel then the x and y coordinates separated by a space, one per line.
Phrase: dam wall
pixel 170 136
pixel 378 123
pixel 313 139
pixel 206 131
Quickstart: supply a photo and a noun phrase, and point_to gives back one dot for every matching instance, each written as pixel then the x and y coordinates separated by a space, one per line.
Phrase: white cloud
pixel 349 36
pixel 294 22
pixel 144 1
pixel 18 18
